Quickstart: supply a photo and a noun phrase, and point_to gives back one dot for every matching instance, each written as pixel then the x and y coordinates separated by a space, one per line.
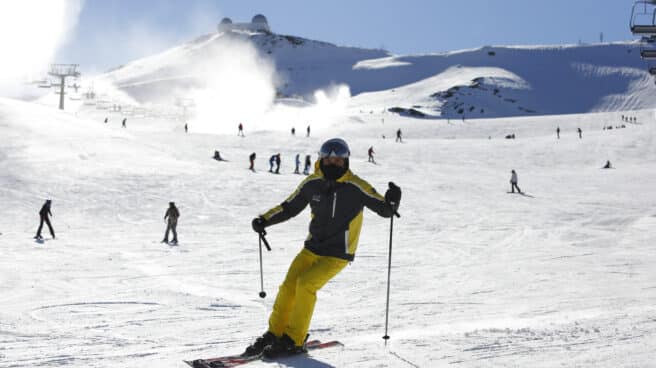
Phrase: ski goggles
pixel 334 148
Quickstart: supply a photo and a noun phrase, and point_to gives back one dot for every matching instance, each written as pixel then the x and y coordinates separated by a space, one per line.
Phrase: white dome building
pixel 259 23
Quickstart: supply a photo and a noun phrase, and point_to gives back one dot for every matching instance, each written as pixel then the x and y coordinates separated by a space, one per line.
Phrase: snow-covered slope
pixel 563 277
pixel 490 81
pixel 302 65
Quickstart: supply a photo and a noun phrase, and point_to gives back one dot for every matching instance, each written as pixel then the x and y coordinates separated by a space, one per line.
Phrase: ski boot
pixel 283 347
pixel 260 344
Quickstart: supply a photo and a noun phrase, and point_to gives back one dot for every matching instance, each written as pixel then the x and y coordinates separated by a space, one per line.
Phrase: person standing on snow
pixel 580 133
pixel 558 132
pixel 251 158
pixel 43 215
pixel 123 123
pixel 272 160
pixel 172 214
pixel 293 131
pixel 298 163
pixel 278 163
pixel 398 136
pixel 241 130
pixel 308 131
pixel 336 197
pixel 513 182
pixel 308 164
pixel 371 152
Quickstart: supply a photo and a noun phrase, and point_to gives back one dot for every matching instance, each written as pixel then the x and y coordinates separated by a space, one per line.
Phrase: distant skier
pixel 186 128
pixel 272 162
pixel 106 120
pixel 580 132
pixel 558 132
pixel 308 131
pixel 293 131
pixel 297 160
pixel 337 198
pixel 241 130
pixel 217 156
pixel 608 165
pixel 398 136
pixel 43 216
pixel 251 158
pixel 172 214
pixel 278 163
pixel 308 164
pixel 371 152
pixel 123 123
pixel 513 182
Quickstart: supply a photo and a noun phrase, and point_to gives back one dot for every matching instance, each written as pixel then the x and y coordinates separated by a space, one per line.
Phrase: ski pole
pixel 389 262
pixel 389 271
pixel 266 243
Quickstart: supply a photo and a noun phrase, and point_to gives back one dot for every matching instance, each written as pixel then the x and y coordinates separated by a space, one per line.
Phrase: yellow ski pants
pixel 294 304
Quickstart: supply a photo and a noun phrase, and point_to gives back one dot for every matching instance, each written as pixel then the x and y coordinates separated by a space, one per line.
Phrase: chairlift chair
pixel 648 54
pixel 643 17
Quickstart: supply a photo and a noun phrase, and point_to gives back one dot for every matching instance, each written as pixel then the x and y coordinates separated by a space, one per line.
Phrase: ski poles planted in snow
pixel 266 243
pixel 389 270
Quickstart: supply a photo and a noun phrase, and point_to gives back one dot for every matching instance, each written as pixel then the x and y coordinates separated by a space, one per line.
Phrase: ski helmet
pixel 335 147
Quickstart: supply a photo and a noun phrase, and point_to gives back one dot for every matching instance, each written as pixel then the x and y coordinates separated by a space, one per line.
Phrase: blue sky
pixel 112 32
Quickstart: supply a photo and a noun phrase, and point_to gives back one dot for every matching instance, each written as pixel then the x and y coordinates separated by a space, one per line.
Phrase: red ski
pixel 236 360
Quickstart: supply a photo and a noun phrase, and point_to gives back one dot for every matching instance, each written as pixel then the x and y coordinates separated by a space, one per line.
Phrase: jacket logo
pixel 316 198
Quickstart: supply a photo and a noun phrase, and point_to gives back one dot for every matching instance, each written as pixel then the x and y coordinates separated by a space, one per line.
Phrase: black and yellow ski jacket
pixel 336 212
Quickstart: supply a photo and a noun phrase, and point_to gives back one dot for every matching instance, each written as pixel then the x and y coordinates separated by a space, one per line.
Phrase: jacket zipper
pixel 334 203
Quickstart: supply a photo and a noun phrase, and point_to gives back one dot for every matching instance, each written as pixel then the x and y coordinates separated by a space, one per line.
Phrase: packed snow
pixel 480 277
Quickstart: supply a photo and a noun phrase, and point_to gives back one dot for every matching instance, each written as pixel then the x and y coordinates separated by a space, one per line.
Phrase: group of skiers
pixel 123 123
pixel 336 197
pixel 307 131
pixel 629 119
pixel 171 217
pixel 578 130
pixel 240 130
pixel 275 160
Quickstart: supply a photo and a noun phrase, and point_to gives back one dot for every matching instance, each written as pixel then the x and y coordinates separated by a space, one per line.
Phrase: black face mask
pixel 332 172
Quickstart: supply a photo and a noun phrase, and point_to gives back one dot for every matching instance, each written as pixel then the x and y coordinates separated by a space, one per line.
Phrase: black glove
pixel 393 196
pixel 258 224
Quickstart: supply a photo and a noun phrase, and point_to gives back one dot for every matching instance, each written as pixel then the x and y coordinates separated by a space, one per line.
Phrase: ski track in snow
pixel 479 277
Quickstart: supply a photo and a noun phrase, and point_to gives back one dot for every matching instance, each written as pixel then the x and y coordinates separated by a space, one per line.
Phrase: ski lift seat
pixel 648 54
pixel 644 29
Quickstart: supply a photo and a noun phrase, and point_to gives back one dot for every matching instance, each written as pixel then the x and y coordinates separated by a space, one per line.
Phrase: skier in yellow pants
pixel 337 198
pixel 295 302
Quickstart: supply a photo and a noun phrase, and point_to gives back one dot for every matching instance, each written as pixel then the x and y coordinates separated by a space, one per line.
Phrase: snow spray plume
pixel 326 109
pixel 237 85
pixel 30 33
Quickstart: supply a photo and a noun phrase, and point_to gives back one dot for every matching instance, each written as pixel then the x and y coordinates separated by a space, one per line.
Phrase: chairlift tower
pixel 62 71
